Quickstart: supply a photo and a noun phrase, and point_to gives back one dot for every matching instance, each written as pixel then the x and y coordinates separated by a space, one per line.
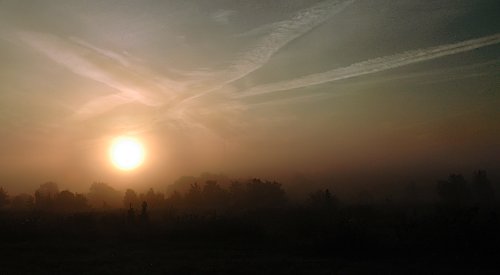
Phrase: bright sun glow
pixel 126 153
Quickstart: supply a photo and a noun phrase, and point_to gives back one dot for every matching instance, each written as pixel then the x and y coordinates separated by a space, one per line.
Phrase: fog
pixel 346 93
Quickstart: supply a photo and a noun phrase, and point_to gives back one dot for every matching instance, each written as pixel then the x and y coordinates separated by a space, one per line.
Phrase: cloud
pixel 116 71
pixel 109 54
pixel 130 83
pixel 373 66
pixel 280 34
pixel 222 16
pixel 290 100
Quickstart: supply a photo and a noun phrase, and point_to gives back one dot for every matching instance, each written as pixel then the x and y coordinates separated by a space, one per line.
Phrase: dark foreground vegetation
pixel 250 228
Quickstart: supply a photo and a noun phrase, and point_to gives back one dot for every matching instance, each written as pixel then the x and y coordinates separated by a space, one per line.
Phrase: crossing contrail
pixel 281 34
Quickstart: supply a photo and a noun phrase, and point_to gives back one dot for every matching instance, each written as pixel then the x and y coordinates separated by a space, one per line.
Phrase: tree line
pixel 255 193
pixel 212 197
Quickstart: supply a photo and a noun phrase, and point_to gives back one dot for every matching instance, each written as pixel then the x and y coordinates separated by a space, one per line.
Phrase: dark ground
pixel 345 240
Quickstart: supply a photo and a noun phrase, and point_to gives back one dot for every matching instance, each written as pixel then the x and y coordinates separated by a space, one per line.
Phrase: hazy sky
pixel 247 88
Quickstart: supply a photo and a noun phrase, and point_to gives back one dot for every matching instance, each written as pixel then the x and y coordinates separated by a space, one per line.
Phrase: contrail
pixel 282 33
pixel 111 70
pixel 373 66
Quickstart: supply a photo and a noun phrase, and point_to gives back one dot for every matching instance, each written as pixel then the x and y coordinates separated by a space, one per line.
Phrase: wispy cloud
pixel 133 82
pixel 130 83
pixel 290 100
pixel 108 68
pixel 222 16
pixel 280 34
pixel 373 66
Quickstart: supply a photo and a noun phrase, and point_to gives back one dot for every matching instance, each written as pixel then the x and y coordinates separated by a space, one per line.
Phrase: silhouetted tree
pixel 175 200
pixel 68 202
pixel 23 202
pixel 237 195
pixel 65 201
pixel 131 214
pixel 483 190
pixel 4 198
pixel 102 195
pixel 45 195
pixel 214 197
pixel 130 200
pixel 154 200
pixel 182 184
pixel 172 205
pixel 81 202
pixel 323 199
pixel 454 191
pixel 412 193
pixel 264 194
pixel 144 212
pixel 365 197
pixel 193 198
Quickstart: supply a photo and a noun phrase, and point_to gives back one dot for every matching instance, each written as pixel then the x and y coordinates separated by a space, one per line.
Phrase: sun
pixel 126 153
